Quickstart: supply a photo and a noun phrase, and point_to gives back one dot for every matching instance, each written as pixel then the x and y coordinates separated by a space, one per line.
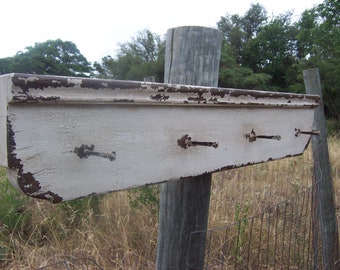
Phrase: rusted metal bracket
pixel 84 151
pixel 313 132
pixel 185 142
pixel 252 136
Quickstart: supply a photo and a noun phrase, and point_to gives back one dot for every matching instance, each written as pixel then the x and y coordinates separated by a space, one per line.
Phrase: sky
pixel 98 27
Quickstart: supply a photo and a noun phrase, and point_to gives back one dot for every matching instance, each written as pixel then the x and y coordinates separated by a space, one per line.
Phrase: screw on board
pixel 185 142
pixel 252 136
pixel 313 132
pixel 84 151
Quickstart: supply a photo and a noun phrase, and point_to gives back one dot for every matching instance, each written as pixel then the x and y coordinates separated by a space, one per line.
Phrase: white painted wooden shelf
pixel 64 137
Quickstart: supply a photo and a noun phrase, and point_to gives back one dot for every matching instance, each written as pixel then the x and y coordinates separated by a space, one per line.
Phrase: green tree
pixel 231 26
pixel 273 51
pixel 305 37
pixel 233 75
pixel 239 30
pixel 137 59
pixel 319 46
pixel 55 57
pixel 254 19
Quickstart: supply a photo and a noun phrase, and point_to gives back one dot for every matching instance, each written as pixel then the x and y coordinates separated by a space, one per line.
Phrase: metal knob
pixel 252 136
pixel 84 151
pixel 186 142
pixel 313 132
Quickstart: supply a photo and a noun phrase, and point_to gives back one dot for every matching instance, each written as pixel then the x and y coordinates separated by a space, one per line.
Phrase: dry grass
pixel 118 236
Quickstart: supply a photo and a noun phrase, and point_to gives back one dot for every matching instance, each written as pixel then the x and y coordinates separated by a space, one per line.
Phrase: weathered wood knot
pixel 252 136
pixel 186 142
pixel 84 151
pixel 313 132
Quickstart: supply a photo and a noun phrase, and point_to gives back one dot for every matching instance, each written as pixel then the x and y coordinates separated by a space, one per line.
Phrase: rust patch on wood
pixel 155 92
pixel 198 99
pixel 219 92
pixel 159 97
pixel 26 180
pixel 27 81
pixel 109 84
pixel 123 101
pixel 32 99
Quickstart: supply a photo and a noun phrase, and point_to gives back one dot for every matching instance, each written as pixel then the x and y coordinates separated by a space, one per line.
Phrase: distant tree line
pixel 55 57
pixel 258 52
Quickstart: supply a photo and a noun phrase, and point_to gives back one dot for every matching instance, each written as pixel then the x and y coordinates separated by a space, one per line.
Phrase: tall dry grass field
pixel 119 230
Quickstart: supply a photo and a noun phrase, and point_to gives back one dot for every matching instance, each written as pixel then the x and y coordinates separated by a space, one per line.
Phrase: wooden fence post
pixel 192 57
pixel 323 177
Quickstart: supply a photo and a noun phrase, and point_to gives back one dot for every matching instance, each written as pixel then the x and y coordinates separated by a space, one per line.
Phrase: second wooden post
pixel 192 57
pixel 323 178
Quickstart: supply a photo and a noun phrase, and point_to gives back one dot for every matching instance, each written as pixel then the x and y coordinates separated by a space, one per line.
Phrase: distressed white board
pixel 138 125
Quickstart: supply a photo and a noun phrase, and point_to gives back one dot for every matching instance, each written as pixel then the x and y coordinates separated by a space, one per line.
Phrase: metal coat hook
pixel 252 136
pixel 84 151
pixel 185 142
pixel 313 132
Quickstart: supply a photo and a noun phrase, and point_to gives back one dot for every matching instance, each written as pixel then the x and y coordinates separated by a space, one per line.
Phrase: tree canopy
pixel 319 46
pixel 142 57
pixel 55 57
pixel 271 53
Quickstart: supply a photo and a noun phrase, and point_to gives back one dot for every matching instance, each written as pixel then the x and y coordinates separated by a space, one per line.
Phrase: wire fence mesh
pixel 73 264
pixel 284 234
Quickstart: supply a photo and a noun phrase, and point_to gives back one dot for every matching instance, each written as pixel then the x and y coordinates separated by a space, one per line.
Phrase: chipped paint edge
pixel 25 180
pixel 48 89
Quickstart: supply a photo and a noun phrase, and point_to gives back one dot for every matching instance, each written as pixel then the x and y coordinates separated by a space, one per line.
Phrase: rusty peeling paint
pixel 32 99
pixel 93 84
pixel 189 90
pixel 26 181
pixel 26 81
pixel 52 98
pixel 109 84
pixel 213 100
pixel 193 94
pixel 12 160
pixel 197 99
pixel 269 95
pixel 218 92
pixel 123 101
pixel 49 196
pixel 159 97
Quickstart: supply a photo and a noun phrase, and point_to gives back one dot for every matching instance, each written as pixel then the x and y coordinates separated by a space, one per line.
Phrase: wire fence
pixel 285 236
pixel 271 216
pixel 72 263
pixel 271 219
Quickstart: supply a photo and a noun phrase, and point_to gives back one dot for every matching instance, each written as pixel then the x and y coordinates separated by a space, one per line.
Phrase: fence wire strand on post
pixel 73 264
pixel 288 238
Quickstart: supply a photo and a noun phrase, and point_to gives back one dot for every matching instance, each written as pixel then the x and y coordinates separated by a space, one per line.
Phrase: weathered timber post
pixel 323 177
pixel 192 57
